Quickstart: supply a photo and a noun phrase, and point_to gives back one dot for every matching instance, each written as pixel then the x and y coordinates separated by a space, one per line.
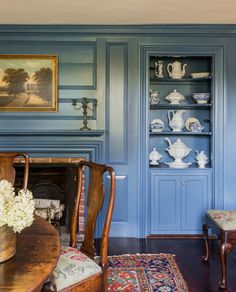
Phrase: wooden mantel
pixel 51 160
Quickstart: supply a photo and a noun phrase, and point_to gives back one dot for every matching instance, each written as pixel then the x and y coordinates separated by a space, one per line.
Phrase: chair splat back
pixel 94 205
pixel 7 170
pixel 95 198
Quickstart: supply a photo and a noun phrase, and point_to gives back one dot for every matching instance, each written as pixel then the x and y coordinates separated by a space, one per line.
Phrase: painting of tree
pixel 28 83
pixel 15 79
pixel 43 78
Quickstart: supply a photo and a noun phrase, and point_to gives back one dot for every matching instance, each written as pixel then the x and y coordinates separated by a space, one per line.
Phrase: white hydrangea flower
pixel 15 211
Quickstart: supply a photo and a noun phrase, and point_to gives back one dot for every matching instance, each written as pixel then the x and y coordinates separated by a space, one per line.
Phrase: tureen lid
pixel 175 94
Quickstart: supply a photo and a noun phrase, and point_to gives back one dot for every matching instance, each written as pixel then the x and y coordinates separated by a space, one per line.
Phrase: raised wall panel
pixel 77 70
pixel 120 208
pixel 116 79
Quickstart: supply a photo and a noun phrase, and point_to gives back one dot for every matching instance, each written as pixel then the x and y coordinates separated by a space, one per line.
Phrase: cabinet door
pixel 195 201
pixel 165 203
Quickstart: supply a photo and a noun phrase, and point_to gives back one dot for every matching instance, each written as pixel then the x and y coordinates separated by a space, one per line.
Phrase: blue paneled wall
pixel 106 63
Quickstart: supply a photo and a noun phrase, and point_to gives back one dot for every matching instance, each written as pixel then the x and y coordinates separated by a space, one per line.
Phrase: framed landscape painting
pixel 28 83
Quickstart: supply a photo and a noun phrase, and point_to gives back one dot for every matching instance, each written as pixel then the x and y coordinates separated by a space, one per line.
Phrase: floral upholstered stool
pixel 223 224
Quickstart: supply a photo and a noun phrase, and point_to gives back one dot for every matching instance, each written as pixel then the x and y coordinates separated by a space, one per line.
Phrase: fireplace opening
pixel 53 179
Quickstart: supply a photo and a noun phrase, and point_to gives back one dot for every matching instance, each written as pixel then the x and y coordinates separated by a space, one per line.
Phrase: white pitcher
pixel 176 122
pixel 176 71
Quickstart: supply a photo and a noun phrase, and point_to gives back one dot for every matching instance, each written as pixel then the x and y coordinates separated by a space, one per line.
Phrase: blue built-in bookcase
pixel 179 191
pixel 114 65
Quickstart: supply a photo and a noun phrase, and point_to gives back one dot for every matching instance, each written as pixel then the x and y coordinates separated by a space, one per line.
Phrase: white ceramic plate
pixel 190 121
pixel 200 74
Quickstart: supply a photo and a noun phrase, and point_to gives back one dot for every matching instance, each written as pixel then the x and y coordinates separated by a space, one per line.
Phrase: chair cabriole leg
pixel 205 258
pixel 223 248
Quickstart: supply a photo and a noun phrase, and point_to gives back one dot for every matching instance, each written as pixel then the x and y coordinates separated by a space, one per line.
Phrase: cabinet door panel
pixel 165 203
pixel 194 190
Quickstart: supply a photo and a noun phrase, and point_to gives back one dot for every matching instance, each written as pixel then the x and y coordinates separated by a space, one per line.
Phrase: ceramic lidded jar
pixel 178 150
pixel 154 157
pixel 175 97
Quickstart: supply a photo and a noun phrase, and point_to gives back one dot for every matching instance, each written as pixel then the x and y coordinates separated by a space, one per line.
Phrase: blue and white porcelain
pixel 202 97
pixel 156 126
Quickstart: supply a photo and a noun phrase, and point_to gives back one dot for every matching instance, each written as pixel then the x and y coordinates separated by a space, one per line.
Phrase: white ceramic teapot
pixel 154 156
pixel 178 151
pixel 176 72
pixel 175 97
pixel 176 122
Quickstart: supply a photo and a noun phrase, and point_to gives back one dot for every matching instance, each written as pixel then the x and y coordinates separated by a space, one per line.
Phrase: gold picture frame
pixel 29 83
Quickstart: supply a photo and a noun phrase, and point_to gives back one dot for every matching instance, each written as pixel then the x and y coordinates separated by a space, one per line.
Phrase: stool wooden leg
pixel 205 258
pixel 224 247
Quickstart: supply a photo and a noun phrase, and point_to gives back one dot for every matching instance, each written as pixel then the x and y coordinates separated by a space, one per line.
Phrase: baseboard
pixel 179 236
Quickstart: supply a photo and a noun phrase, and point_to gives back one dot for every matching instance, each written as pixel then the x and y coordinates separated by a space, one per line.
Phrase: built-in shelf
pixel 181 106
pixel 171 133
pixel 162 165
pixel 177 81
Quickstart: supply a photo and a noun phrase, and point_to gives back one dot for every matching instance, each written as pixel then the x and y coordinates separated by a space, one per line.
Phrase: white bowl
pixel 202 97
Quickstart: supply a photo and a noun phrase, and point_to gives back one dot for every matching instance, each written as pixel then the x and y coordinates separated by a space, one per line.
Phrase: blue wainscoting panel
pixel 119 218
pixel 117 102
pixel 77 71
pixel 120 210
pixel 121 134
pixel 77 60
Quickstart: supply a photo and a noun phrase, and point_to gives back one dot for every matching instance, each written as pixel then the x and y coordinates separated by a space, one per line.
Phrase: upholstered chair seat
pixel 225 219
pixel 73 267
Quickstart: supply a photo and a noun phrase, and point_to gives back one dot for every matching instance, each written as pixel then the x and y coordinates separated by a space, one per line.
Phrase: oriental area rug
pixel 144 273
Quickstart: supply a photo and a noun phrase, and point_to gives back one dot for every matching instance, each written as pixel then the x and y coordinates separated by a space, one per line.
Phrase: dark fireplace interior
pixel 56 182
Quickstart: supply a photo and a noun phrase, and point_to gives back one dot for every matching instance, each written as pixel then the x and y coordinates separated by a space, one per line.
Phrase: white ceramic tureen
pixel 175 97
pixel 178 150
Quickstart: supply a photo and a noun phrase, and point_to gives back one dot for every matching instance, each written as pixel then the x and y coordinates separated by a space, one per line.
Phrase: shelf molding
pixel 182 80
pixel 163 166
pixel 171 133
pixel 181 106
pixel 53 132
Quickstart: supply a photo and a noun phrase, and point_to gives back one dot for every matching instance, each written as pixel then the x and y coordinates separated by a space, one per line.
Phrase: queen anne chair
pixel 7 170
pixel 77 270
pixel 223 224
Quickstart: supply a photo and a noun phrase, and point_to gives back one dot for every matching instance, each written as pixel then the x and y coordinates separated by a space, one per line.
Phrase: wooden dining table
pixel 37 253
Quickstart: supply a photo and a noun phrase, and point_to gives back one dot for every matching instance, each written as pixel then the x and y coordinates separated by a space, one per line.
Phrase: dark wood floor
pixel 200 277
